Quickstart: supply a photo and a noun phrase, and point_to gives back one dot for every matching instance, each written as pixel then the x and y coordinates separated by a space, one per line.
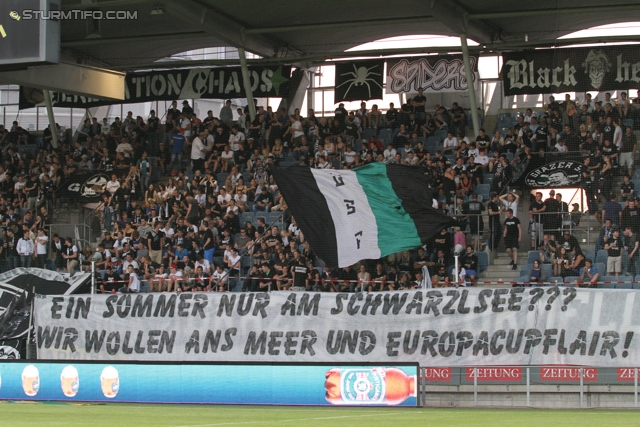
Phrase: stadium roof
pixel 306 31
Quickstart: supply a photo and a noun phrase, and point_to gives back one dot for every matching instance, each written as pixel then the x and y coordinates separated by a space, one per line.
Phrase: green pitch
pixel 109 415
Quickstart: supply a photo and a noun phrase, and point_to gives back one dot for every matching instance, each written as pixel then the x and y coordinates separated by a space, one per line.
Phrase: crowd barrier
pixel 550 386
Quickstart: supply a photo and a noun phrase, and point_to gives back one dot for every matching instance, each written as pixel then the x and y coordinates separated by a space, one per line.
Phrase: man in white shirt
pixel 133 287
pixel 349 157
pixel 561 147
pixel 113 185
pixel 218 279
pixel 223 198
pixel 24 247
pixel 482 158
pixel 617 134
pixel 129 262
pixel 198 151
pixel 227 158
pixel 296 130
pixel 184 122
pixel 105 128
pixel 201 262
pixel 41 248
pixel 125 148
pixel 389 153
pixel 450 143
pixel 236 141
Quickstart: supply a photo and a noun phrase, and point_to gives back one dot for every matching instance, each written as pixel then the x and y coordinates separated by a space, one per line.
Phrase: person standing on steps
pixel 512 237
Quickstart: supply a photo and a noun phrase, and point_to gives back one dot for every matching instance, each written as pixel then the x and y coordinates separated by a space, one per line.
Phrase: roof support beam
pixel 471 88
pixel 350 24
pixel 149 37
pixel 321 57
pixel 102 4
pixel 246 81
pixel 222 27
pixel 455 17
pixel 552 11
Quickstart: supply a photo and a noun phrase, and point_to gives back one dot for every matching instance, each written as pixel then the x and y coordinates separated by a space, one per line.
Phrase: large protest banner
pixel 437 73
pixel 440 327
pixel 582 69
pixel 169 85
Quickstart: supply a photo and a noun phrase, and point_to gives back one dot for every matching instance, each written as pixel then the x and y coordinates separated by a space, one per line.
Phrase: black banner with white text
pixel 600 68
pixel 169 85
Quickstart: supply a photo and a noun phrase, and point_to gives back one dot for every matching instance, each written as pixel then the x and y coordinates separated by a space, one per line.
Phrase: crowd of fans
pixel 188 230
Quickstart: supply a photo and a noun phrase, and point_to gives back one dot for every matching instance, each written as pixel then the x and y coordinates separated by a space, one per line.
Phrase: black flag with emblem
pixel 359 81
pixel 83 187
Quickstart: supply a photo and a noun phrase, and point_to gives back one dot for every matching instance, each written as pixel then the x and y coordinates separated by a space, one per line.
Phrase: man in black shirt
pixel 340 114
pixel 458 119
pixel 391 118
pixel 535 209
pixel 208 241
pixel 541 135
pixel 348 278
pixel 265 281
pixel 263 201
pixel 614 251
pixel 494 222
pixel 419 103
pixel 155 242
pixel 608 149
pixel 473 209
pixel 482 140
pixel 111 281
pixel 512 237
pixel 470 263
pixel 152 133
pixel 632 249
pixel 32 188
pixel 300 273
pixel 11 243
pixel 552 208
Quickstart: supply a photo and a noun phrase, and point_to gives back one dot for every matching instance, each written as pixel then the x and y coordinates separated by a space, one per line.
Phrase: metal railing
pixel 548 386
pixel 562 223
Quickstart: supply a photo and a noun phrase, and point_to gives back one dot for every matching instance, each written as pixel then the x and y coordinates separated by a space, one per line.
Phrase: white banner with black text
pixel 436 73
pixel 437 327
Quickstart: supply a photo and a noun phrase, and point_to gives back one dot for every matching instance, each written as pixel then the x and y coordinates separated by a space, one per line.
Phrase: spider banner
pixel 359 81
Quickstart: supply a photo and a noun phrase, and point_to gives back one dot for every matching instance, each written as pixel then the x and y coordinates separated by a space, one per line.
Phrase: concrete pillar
pixel 52 120
pixel 246 81
pixel 470 86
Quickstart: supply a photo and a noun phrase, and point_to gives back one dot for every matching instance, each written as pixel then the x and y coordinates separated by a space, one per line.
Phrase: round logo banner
pixel 556 174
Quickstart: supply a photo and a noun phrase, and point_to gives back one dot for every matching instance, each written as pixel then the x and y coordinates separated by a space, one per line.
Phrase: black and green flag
pixel 364 213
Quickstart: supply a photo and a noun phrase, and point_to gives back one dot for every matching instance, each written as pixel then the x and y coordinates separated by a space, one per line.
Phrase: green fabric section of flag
pixel 396 229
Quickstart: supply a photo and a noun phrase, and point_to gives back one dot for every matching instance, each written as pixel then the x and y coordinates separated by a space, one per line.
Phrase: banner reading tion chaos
pixel 447 327
pixel 571 70
pixel 169 85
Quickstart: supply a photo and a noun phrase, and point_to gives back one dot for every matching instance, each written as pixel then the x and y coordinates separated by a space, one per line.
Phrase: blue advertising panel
pixel 212 384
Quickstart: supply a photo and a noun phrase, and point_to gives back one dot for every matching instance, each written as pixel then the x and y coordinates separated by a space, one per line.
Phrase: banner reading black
pixel 169 85
pixel 571 70
pixel 356 81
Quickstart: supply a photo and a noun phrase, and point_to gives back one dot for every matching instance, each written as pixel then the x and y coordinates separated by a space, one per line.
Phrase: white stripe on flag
pixel 356 232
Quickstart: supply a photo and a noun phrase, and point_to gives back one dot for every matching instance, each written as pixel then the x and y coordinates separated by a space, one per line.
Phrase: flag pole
pixel 457 275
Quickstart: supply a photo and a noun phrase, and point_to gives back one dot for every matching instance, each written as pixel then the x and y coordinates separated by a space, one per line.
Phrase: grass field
pixel 95 415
